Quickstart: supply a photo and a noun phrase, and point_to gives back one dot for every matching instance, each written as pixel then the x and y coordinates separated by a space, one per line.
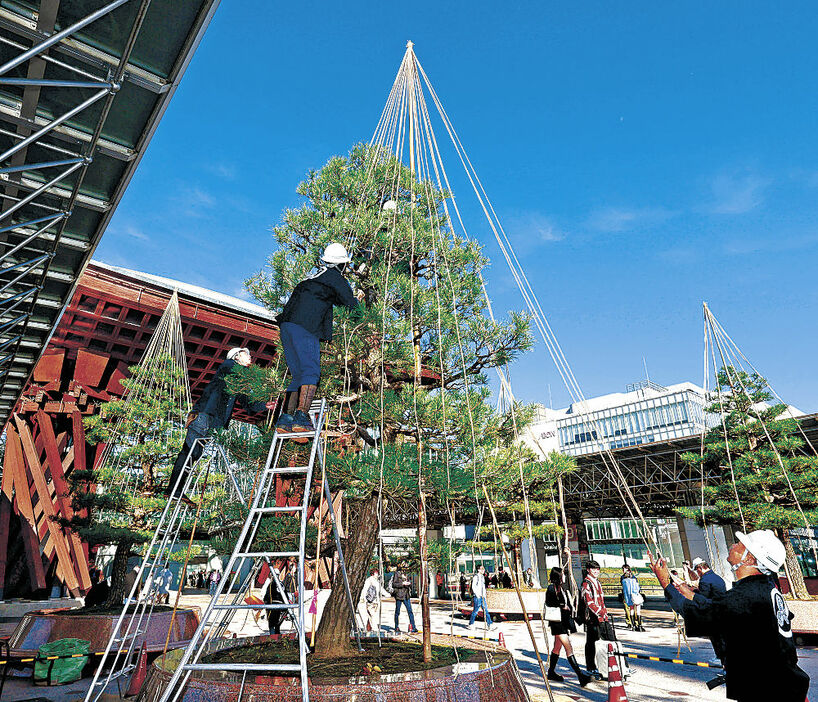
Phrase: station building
pixel 646 428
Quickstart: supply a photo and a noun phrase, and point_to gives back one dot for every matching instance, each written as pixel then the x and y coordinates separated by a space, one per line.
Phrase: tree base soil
pixel 390 657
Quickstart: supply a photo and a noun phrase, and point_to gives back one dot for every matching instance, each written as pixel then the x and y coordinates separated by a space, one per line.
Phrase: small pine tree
pixel 120 501
pixel 765 499
pixel 504 474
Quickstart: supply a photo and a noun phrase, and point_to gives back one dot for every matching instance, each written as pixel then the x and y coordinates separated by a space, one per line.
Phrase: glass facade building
pixel 650 413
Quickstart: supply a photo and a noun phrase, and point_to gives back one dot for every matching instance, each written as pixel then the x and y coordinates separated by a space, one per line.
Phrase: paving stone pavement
pixel 650 681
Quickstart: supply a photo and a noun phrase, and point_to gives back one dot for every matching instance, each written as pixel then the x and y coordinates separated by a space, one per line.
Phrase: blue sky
pixel 642 156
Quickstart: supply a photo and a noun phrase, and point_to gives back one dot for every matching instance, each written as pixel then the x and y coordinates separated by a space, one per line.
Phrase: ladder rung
pixel 114 675
pixel 284 667
pixel 120 639
pixel 269 554
pixel 275 510
pixel 290 469
pixel 277 605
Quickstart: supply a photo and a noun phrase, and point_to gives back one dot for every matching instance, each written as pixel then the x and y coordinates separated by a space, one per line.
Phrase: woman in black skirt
pixel 556 596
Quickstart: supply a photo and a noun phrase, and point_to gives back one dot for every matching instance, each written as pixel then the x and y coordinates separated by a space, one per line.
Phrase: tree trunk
pixel 332 637
pixel 798 587
pixel 424 581
pixel 119 569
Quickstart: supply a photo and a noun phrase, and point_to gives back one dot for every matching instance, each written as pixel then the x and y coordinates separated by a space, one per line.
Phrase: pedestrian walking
pixel 213 581
pixel 370 603
pixel 272 595
pixel 557 596
pixel 464 587
pixel 598 624
pixel 304 323
pixel 478 596
pixel 400 587
pixel 440 581
pixel 162 583
pixel 633 598
pixel 211 411
pixel 760 658
pixel 528 577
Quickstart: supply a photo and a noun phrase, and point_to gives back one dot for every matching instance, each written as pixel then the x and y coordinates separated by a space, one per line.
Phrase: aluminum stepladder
pixel 222 607
pixel 124 645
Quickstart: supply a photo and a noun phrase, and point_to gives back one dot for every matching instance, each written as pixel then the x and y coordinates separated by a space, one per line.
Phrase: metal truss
pixel 41 174
pixel 655 473
pixel 64 163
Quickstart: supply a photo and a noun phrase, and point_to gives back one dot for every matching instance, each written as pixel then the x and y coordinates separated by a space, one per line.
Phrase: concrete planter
pixel 37 628
pixel 507 602
pixel 806 616
pixel 478 681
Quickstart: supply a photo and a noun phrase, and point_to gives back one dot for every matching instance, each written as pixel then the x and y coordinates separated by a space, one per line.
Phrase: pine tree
pixel 516 483
pixel 408 372
pixel 121 500
pixel 757 492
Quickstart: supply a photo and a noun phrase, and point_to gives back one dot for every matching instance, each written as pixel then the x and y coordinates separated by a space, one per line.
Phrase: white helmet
pixel 335 253
pixel 232 353
pixel 767 549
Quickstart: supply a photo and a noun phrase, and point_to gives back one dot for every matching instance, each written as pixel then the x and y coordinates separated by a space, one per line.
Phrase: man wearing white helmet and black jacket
pixel 760 660
pixel 305 322
pixel 212 411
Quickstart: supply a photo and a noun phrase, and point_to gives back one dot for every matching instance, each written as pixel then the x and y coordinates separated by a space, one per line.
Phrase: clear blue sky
pixel 643 157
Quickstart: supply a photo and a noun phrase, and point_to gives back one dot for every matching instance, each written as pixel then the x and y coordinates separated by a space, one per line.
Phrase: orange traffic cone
pixel 616 690
pixel 138 677
pixel 502 640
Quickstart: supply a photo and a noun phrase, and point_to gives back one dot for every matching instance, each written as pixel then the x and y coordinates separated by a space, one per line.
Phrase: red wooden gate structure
pixel 104 329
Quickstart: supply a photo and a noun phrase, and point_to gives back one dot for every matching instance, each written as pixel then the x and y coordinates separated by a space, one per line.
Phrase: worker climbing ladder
pixel 228 599
pixel 122 652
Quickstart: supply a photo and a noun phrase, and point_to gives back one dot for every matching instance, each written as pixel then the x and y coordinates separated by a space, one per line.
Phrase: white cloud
pixel 134 233
pixel 621 219
pixel 737 192
pixel 533 226
pixel 225 171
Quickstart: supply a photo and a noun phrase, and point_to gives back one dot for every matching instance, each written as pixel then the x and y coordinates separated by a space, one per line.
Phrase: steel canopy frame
pixel 83 85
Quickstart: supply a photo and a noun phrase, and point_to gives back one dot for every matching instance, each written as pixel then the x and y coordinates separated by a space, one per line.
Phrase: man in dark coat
pixel 760 660
pixel 709 584
pixel 305 322
pixel 211 411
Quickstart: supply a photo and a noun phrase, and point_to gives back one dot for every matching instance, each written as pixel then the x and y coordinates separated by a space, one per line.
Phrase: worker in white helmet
pixel 305 321
pixel 212 411
pixel 760 660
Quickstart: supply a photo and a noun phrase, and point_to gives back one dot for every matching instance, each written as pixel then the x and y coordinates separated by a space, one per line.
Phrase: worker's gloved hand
pixel 360 295
pixel 271 405
pixel 191 417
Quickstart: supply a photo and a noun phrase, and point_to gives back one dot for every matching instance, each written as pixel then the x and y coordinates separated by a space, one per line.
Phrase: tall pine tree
pixel 408 375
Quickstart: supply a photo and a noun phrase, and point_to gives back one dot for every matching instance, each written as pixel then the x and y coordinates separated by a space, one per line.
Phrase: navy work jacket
pixel 217 404
pixel 310 305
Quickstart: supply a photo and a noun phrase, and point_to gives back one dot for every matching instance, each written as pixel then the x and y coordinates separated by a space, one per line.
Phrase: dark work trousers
pixel 596 630
pixel 302 351
pixel 198 429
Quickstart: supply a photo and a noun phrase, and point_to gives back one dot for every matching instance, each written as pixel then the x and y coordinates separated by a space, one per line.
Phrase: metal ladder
pixel 223 607
pixel 122 652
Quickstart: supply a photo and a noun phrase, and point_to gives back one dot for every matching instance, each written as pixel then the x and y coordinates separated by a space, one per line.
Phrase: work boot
pixel 301 422
pixel 639 623
pixel 305 396
pixel 552 663
pixel 284 425
pixel 583 678
pixel 291 403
